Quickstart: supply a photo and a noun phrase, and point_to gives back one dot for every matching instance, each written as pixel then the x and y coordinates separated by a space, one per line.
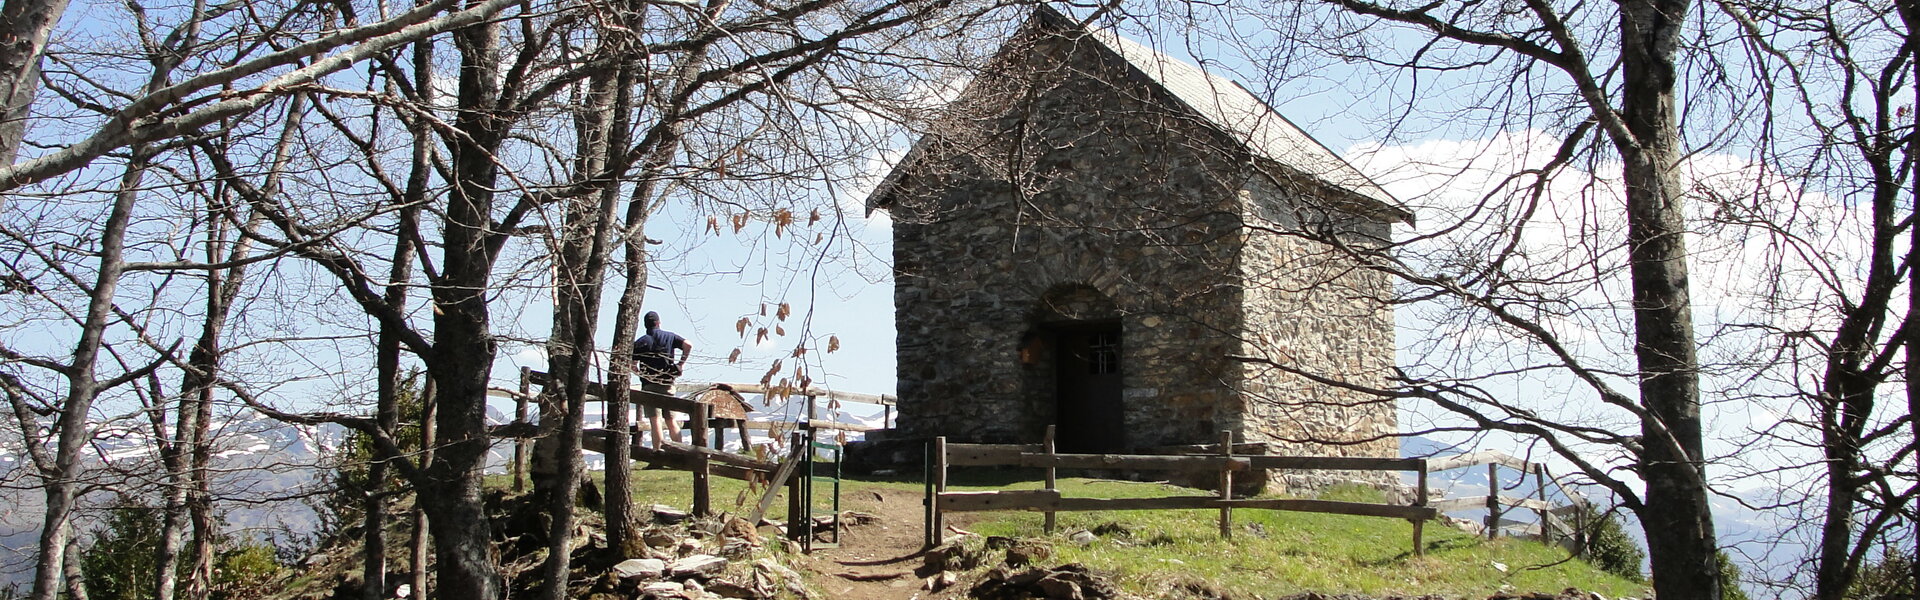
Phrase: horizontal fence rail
pixel 1226 459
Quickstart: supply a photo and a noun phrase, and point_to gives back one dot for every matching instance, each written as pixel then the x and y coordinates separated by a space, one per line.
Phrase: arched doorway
pixel 1085 344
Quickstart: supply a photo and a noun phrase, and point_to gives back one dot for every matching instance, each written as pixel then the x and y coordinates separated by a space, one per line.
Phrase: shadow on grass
pixel 1442 545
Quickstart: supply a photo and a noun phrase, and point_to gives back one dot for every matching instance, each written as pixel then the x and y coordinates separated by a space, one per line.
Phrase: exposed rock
pixel 940 581
pixel 698 565
pixel 1082 537
pixel 729 589
pixel 667 515
pixel 659 538
pixel 663 589
pixel 738 549
pixel 1065 582
pixel 639 567
pixel 778 574
pixel 1028 551
pixel 737 528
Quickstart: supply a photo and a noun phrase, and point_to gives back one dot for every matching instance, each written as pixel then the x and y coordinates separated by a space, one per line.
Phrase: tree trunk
pixel 82 387
pixel 1679 525
pixel 464 348
pixel 579 271
pixel 24 28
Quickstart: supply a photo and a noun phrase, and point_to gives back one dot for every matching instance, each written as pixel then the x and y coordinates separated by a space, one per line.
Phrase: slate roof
pixel 1226 105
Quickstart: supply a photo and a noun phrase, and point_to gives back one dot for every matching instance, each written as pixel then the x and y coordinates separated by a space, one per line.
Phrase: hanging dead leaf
pixel 734 357
pixel 781 219
pixel 741 326
pixel 799 351
pixel 763 309
pixel 806 382
pixel 780 331
pixel 833 344
pixel 739 222
pixel 713 223
pixel 760 336
pixel 775 370
pixel 819 237
pixel 784 311
pixel 814 218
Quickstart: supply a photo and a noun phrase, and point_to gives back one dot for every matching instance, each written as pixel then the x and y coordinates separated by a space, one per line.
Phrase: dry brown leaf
pixel 775 370
pixel 784 311
pixel 781 219
pixel 799 351
pixel 780 331
pixel 814 218
pixel 833 343
pixel 734 357
pixel 713 223
pixel 760 336
pixel 741 326
pixel 739 222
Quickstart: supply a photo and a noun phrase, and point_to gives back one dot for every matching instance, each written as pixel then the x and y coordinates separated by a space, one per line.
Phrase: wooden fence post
pixel 1047 446
pixel 799 525
pixel 520 416
pixel 702 476
pixel 1493 500
pixel 1580 530
pixel 939 486
pixel 1226 484
pixel 1420 499
pixel 1540 489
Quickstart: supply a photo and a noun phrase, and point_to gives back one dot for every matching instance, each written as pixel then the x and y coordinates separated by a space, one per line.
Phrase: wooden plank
pixel 1538 505
pixel 1243 448
pixel 988 455
pixel 1001 500
pixel 774 484
pixel 1045 500
pixel 1168 503
pixel 1336 463
pixel 678 461
pixel 1565 512
pixel 1417 513
pixel 755 388
pixel 1461 503
pixel 599 437
pixel 1144 462
pixel 1484 457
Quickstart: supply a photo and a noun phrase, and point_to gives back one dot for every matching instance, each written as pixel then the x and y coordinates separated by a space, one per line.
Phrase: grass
pixel 1160 553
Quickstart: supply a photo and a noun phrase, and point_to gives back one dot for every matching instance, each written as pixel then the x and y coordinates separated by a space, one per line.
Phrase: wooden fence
pixel 792 473
pixel 1225 462
pixel 1554 522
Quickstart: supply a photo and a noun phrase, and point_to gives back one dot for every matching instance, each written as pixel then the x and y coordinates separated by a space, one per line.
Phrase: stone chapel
pixel 1101 237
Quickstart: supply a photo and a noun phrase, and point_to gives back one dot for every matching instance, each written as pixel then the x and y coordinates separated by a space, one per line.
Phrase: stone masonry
pixel 1078 182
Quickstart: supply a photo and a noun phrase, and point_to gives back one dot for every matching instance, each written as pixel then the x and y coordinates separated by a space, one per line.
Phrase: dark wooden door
pixel 1089 413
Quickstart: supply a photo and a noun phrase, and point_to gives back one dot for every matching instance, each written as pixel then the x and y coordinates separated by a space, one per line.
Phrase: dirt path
pixel 880 560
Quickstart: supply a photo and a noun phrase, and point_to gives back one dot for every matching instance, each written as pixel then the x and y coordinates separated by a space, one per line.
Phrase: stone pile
pixel 699 559
pixel 1065 582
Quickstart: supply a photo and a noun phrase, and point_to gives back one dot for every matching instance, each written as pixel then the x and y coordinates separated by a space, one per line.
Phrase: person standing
pixel 653 361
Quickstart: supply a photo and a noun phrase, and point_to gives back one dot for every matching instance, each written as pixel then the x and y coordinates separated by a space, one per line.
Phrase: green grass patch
pixel 1161 552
